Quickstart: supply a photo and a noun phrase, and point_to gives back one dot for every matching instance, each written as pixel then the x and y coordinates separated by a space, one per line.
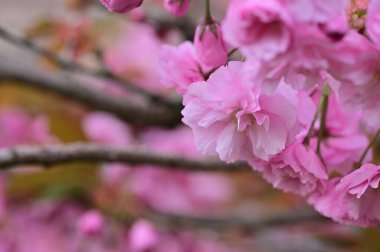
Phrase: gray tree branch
pixel 55 154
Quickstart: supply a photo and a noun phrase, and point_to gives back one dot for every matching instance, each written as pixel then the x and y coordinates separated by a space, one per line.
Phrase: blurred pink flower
pixel 125 57
pixel 142 236
pixel 177 7
pixel 90 223
pixel 121 5
pixel 373 21
pixel 106 129
pixel 261 29
pixel 177 191
pixel 316 11
pixel 16 127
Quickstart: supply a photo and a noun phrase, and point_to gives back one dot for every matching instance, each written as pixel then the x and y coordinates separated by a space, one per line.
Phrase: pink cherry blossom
pixel 177 191
pixel 107 129
pixel 232 118
pixel 142 236
pixel 316 10
pixel 179 66
pixel 125 57
pixel 297 169
pixel 91 223
pixel 261 29
pixel 209 45
pixel 177 7
pixel 353 199
pixel 121 5
pixel 17 127
pixel 373 21
pixel 356 68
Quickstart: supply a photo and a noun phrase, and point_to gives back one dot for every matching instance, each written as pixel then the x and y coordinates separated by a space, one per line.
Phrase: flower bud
pixel 209 45
pixel 177 7
pixel 121 6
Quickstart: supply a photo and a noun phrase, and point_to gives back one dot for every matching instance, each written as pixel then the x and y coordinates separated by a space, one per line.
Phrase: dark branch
pixel 61 84
pixel 75 67
pixel 242 223
pixel 56 154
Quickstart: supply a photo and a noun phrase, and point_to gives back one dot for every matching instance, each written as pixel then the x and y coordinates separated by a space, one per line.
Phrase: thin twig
pixel 369 146
pixel 75 152
pixel 75 67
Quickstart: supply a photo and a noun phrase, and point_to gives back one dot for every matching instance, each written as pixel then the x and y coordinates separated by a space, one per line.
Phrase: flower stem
pixel 208 18
pixel 324 106
pixel 369 146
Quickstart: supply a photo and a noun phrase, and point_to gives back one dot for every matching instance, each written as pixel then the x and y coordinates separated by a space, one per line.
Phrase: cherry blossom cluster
pixel 290 86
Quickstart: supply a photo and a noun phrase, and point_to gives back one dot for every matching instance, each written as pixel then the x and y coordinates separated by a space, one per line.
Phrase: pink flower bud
pixel 209 45
pixel 121 6
pixel 177 7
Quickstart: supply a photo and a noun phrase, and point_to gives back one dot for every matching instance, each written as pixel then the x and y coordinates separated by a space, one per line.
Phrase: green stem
pixel 306 141
pixel 208 18
pixel 369 146
pixel 324 106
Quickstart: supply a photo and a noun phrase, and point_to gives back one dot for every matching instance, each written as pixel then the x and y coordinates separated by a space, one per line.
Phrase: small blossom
pixel 297 169
pixel 177 7
pixel 121 6
pixel 354 199
pixel 90 223
pixel 261 29
pixel 179 66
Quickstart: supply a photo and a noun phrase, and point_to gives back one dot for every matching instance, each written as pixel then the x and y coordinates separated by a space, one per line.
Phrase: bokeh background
pixel 116 207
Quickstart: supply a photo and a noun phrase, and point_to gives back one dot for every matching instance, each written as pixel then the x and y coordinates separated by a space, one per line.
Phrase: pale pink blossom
pixel 142 236
pixel 179 66
pixel 297 169
pixel 316 11
pixel 90 223
pixel 17 127
pixel 177 191
pixel 121 6
pixel 177 7
pixel 125 58
pixel 353 199
pixel 106 129
pixel 231 117
pixel 356 67
pixel 209 45
pixel 261 29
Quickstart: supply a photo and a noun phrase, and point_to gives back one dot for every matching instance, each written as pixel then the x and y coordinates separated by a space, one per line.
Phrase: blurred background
pixel 95 206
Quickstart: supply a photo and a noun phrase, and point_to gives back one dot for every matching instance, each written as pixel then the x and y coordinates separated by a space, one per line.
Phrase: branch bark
pixel 55 154
pixel 62 84
pixel 75 67
pixel 224 223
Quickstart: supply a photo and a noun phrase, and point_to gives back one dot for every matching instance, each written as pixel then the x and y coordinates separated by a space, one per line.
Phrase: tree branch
pixel 75 67
pixel 61 84
pixel 224 223
pixel 55 154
